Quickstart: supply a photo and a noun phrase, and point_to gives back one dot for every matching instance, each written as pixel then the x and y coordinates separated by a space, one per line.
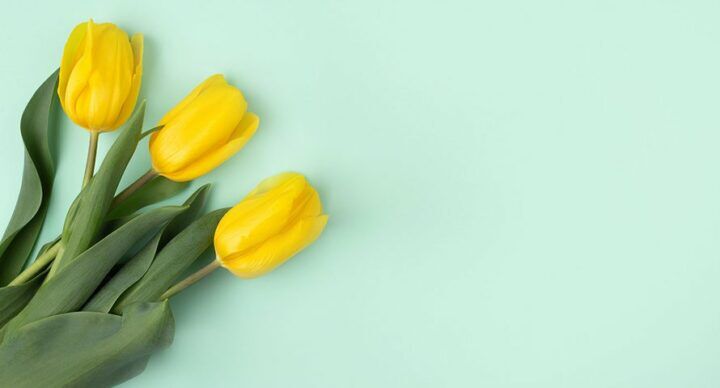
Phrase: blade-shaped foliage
pixel 38 175
pixel 14 298
pixel 70 289
pixel 176 257
pixel 196 205
pixel 103 300
pixel 158 189
pixel 96 198
pixel 85 349
pixel 135 268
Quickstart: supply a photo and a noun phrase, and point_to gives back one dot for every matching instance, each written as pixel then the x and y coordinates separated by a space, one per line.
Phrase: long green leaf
pixel 38 175
pixel 177 256
pixel 85 349
pixel 135 268
pixel 96 198
pixel 131 272
pixel 196 205
pixel 14 298
pixel 69 289
pixel 158 189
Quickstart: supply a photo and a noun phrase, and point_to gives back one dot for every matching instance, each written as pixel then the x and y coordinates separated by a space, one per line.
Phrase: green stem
pixel 37 265
pixel 190 280
pixel 92 154
pixel 56 263
pixel 135 186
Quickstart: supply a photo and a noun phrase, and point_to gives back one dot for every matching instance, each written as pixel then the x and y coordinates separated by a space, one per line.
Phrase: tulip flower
pixel 204 130
pixel 100 76
pixel 275 221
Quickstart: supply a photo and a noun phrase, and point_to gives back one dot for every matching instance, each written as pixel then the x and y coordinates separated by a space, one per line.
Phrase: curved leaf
pixel 96 198
pixel 85 349
pixel 131 272
pixel 158 189
pixel 38 175
pixel 135 268
pixel 71 288
pixel 195 204
pixel 14 298
pixel 177 256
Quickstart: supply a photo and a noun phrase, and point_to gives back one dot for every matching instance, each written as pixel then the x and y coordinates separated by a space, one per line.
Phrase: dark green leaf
pixel 195 204
pixel 131 272
pixel 70 217
pixel 38 175
pixel 158 189
pixel 14 298
pixel 177 256
pixel 134 269
pixel 96 198
pixel 85 349
pixel 70 289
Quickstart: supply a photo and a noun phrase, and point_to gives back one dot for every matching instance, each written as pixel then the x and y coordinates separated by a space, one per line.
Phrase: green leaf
pixel 96 198
pixel 71 288
pixel 131 272
pixel 135 268
pixel 158 189
pixel 38 175
pixel 195 204
pixel 85 349
pixel 14 298
pixel 177 256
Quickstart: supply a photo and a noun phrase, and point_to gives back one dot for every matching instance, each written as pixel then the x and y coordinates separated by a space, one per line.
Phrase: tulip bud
pixel 100 76
pixel 278 219
pixel 204 130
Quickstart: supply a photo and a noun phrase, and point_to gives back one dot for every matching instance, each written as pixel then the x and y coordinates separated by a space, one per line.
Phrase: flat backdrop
pixel 522 193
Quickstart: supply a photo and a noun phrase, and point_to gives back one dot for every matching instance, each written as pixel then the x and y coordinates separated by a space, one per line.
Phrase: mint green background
pixel 522 193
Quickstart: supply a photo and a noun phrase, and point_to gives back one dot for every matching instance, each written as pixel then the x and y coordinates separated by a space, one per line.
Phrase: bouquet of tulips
pixel 91 306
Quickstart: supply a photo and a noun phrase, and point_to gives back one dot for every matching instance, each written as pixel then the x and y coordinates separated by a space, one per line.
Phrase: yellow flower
pixel 202 131
pixel 279 218
pixel 100 76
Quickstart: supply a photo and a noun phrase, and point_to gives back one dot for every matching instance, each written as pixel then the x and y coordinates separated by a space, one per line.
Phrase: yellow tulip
pixel 278 219
pixel 204 130
pixel 100 75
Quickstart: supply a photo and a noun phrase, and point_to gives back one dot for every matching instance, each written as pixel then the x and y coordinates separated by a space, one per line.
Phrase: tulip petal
pixel 214 80
pixel 110 81
pixel 137 43
pixel 258 218
pixel 275 181
pixel 310 206
pixel 276 250
pixel 75 97
pixel 242 134
pixel 71 54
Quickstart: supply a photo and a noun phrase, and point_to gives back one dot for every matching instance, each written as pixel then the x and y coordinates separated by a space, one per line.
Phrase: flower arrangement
pixel 92 306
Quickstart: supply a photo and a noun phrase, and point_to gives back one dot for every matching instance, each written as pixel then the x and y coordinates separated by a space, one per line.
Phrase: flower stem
pixel 190 280
pixel 92 154
pixel 54 267
pixel 135 186
pixel 37 265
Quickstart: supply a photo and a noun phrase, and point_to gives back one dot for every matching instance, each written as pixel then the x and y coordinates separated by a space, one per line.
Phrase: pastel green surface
pixel 522 193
